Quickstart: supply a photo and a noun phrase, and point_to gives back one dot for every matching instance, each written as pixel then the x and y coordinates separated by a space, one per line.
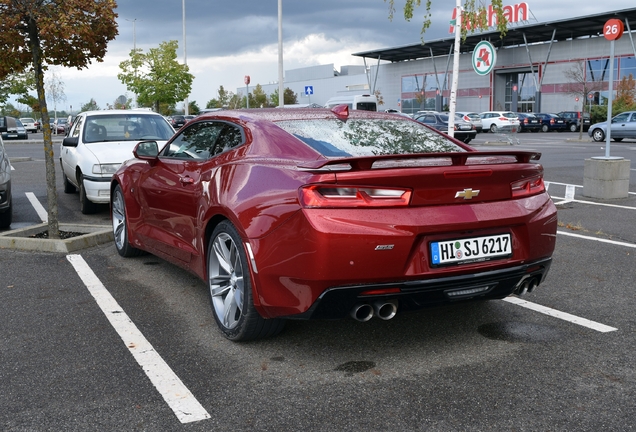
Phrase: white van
pixel 357 102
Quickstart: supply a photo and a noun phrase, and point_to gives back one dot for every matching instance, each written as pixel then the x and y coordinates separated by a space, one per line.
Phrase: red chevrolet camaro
pixel 317 213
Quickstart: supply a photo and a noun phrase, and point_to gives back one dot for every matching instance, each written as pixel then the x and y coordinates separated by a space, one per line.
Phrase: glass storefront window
pixel 628 67
pixel 598 69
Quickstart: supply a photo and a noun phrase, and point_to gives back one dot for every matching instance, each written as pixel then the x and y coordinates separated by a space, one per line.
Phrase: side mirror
pixel 146 150
pixel 70 142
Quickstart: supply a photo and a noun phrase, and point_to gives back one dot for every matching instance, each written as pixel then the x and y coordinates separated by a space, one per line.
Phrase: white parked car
pixel 29 124
pixel 98 143
pixel 499 121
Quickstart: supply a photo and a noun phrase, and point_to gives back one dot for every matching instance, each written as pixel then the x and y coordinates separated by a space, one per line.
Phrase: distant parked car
pixel 471 117
pixel 528 122
pixel 97 144
pixel 59 125
pixel 29 124
pixel 463 131
pixel 499 121
pixel 623 126
pixel 6 212
pixel 14 129
pixel 573 119
pixel 176 121
pixel 552 122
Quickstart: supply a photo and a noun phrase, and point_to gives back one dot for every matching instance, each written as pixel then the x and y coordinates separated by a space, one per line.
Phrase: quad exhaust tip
pixel 527 286
pixel 383 309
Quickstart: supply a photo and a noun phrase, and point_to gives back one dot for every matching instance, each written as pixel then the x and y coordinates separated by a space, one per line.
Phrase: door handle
pixel 186 180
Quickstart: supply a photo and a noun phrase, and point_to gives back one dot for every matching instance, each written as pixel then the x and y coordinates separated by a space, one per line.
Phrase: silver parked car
pixel 623 126
pixel 471 117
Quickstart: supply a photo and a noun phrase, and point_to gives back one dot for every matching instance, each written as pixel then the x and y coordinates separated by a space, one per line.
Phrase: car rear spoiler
pixel 424 159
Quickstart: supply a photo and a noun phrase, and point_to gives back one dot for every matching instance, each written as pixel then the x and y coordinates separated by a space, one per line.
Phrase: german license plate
pixel 13 135
pixel 471 249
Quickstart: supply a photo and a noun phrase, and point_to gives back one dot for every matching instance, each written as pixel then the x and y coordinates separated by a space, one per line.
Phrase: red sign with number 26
pixel 613 29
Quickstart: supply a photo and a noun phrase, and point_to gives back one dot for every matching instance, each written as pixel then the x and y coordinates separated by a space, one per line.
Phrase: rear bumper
pixel 337 302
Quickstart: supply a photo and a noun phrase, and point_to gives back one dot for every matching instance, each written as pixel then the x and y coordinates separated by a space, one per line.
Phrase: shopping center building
pixel 530 73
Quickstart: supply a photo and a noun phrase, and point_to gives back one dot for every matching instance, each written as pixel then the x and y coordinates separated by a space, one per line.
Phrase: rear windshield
pixel 509 115
pixel 368 137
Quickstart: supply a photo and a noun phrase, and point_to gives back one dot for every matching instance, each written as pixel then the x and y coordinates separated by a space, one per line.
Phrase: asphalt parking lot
pixel 92 341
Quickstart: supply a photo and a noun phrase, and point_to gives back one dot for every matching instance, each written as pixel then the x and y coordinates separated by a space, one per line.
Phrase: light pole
pixel 186 109
pixel 281 91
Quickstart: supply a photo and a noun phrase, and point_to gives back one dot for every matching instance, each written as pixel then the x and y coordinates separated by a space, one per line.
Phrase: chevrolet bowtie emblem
pixel 467 194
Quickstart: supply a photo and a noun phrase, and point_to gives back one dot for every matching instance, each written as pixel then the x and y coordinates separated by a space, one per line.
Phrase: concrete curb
pixel 20 239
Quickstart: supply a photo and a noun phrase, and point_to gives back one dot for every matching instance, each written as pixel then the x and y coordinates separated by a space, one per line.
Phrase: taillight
pixel 527 187
pixel 466 118
pixel 504 119
pixel 551 121
pixel 315 196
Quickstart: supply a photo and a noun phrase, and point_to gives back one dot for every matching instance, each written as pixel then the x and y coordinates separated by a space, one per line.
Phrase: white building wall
pixel 327 82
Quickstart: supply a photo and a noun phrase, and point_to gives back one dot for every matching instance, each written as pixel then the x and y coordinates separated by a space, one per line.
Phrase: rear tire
pixel 493 128
pixel 573 128
pixel 545 128
pixel 230 288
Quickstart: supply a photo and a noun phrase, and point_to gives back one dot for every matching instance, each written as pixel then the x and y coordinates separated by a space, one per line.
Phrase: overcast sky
pixel 227 40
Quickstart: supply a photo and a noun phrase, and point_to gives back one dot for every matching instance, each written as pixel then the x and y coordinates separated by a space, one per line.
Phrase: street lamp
pixel 185 56
pixel 281 90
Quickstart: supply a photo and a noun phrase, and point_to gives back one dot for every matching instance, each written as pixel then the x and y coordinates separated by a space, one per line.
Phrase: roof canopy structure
pixel 573 28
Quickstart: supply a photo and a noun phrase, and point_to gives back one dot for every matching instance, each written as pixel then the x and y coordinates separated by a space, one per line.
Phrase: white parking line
pixel 601 240
pixel 561 315
pixel 185 406
pixel 39 209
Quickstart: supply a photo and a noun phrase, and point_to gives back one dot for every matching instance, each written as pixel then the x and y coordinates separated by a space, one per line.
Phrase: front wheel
pixel 120 227
pixel 545 128
pixel 230 288
pixel 68 186
pixel 6 218
pixel 86 206
pixel 573 128
pixel 598 135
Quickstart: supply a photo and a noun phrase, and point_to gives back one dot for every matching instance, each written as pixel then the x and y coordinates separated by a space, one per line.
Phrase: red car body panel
pixel 302 253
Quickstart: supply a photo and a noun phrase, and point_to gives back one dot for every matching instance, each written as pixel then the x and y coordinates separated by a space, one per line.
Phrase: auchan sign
pixel 513 14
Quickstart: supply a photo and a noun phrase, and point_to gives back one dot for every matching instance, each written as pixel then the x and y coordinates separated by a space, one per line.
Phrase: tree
pixel 156 77
pixel 289 97
pixel 259 97
pixel 55 90
pixel 70 33
pixel 474 15
pixel 17 84
pixel 579 86
pixel 193 108
pixel 91 105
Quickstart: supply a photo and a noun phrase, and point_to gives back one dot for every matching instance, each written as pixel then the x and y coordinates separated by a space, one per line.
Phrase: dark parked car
pixel 573 119
pixel 14 129
pixel 464 131
pixel 328 213
pixel 6 211
pixel 552 122
pixel 529 122
pixel 177 121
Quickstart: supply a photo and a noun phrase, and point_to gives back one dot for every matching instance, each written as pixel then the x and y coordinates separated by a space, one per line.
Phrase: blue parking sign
pixel 309 90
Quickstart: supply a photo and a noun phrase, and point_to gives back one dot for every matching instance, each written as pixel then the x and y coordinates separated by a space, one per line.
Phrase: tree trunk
pixel 49 156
